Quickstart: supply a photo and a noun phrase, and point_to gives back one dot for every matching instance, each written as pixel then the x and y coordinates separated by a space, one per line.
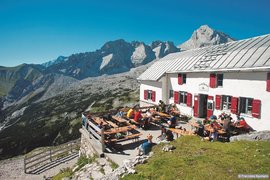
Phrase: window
pixel 210 105
pixel 171 94
pixel 246 105
pixel 226 102
pixel 182 79
pixel 183 97
pixel 219 79
pixel 150 95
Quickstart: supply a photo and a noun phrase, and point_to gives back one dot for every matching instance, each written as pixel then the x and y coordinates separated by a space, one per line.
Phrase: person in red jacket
pixel 138 116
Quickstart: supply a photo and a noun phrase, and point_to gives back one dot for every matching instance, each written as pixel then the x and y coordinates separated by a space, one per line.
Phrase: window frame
pixel 245 104
pixel 228 102
pixel 184 99
pixel 184 78
pixel 219 80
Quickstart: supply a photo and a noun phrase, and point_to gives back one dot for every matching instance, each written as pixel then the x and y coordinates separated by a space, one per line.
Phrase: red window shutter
pixel 234 105
pixel 180 79
pixel 268 82
pixel 145 94
pixel 176 97
pixel 218 101
pixel 153 96
pixel 213 80
pixel 256 108
pixel 189 99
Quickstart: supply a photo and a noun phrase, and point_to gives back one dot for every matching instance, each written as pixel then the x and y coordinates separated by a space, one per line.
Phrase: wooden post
pixel 71 147
pixel 102 139
pixel 24 164
pixel 50 154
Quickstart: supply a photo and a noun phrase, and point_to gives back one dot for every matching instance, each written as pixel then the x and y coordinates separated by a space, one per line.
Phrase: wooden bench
pixel 99 120
pixel 181 132
pixel 127 137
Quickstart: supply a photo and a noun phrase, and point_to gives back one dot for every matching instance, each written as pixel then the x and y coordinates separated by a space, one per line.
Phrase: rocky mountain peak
pixel 55 61
pixel 161 48
pixel 205 36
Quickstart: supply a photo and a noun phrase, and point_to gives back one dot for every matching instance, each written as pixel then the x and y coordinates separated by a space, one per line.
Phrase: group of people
pixel 165 137
pixel 224 122
pixel 169 109
pixel 145 118
pixel 142 119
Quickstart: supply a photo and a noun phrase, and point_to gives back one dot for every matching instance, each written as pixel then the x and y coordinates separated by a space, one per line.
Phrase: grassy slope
pixel 196 159
pixel 10 75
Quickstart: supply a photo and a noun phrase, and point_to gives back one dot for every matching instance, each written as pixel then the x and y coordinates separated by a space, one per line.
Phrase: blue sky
pixel 35 31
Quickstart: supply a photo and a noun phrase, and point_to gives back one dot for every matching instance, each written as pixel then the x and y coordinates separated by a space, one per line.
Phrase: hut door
pixel 210 106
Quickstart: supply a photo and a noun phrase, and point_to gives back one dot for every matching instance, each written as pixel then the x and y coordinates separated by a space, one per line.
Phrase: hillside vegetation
pixel 196 159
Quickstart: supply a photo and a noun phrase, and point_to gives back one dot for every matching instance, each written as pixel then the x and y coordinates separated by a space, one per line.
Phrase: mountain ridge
pixel 205 36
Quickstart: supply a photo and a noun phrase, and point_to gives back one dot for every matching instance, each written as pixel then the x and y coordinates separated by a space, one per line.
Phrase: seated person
pixel 213 136
pixel 148 114
pixel 206 121
pixel 89 117
pixel 242 122
pixel 169 135
pixel 146 147
pixel 147 118
pixel 173 109
pixel 100 125
pixel 172 122
pixel 213 117
pixel 162 136
pixel 84 119
pixel 162 106
pixel 216 125
pixel 107 116
pixel 138 116
pixel 119 113
pixel 130 113
pixel 165 136
pixel 200 130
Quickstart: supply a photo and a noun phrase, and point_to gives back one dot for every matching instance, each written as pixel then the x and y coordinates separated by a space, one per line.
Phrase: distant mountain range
pixel 113 57
pixel 41 104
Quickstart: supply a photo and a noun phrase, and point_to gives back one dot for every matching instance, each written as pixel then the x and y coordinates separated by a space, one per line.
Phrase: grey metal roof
pixel 253 53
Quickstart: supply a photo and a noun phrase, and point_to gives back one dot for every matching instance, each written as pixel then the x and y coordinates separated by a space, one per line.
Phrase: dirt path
pixel 13 169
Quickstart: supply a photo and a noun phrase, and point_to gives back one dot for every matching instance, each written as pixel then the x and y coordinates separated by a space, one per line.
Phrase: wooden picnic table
pixel 181 132
pixel 161 114
pixel 194 124
pixel 119 119
pixel 208 128
pixel 127 137
pixel 112 124
pixel 120 129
